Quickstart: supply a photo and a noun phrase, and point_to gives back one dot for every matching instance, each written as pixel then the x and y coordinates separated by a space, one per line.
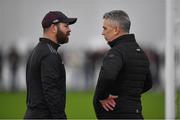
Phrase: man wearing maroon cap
pixel 45 72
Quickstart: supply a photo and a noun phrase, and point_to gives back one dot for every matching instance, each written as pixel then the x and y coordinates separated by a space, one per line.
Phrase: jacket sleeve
pixel 51 84
pixel 148 83
pixel 112 64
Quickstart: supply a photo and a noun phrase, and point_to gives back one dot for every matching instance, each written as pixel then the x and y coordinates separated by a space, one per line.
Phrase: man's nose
pixel 69 30
pixel 102 33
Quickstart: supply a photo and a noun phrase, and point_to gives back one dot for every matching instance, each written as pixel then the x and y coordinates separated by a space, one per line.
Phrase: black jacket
pixel 125 72
pixel 45 79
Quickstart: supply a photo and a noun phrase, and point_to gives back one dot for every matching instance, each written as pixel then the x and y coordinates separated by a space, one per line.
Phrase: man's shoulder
pixel 46 49
pixel 42 50
pixel 115 51
pixel 119 49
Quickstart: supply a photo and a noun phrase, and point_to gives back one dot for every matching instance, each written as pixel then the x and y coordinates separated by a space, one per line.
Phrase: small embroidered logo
pixel 55 21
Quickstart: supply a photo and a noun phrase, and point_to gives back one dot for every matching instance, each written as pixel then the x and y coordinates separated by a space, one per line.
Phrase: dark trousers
pixel 119 116
pixel 37 114
pixel 34 113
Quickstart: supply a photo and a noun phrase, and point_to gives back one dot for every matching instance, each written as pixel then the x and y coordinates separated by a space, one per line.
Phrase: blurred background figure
pixel 1 60
pixel 155 64
pixel 89 69
pixel 92 61
pixel 13 60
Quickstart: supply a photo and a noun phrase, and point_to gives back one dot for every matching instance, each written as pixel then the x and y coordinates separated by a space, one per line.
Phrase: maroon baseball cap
pixel 54 17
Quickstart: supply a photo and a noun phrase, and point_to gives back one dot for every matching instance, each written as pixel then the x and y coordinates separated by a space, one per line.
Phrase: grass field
pixel 79 105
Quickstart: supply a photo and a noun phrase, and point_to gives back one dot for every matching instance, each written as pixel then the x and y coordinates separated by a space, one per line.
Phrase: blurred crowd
pixel 82 68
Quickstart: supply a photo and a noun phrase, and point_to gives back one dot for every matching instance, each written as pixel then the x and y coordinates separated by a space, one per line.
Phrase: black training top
pixel 46 80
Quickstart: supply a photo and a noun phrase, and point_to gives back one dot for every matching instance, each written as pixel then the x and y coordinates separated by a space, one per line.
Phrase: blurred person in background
pixel 89 69
pixel 124 74
pixel 45 72
pixel 154 59
pixel 92 60
pixel 14 61
pixel 1 60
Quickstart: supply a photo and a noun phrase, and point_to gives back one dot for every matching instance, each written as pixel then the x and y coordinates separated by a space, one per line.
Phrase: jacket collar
pixel 122 39
pixel 53 44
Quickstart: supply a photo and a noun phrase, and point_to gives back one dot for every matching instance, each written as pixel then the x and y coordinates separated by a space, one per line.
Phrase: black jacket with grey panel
pixel 125 72
pixel 46 82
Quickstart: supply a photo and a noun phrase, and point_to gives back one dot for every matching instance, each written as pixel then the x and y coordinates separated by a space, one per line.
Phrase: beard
pixel 62 38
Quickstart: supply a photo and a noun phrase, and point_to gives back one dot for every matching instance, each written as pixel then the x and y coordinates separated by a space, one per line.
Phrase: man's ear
pixel 53 28
pixel 116 30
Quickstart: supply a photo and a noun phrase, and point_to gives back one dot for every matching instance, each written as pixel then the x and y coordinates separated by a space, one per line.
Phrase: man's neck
pixel 50 37
pixel 121 34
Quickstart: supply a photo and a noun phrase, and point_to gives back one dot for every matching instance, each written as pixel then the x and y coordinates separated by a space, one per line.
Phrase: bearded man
pixel 45 71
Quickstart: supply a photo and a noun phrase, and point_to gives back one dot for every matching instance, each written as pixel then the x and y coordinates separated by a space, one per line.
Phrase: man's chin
pixel 64 42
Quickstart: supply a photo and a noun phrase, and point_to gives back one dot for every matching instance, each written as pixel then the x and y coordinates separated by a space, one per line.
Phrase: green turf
pixel 79 105
pixel 153 105
pixel 12 105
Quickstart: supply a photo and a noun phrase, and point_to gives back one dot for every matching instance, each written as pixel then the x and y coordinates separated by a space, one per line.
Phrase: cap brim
pixel 70 20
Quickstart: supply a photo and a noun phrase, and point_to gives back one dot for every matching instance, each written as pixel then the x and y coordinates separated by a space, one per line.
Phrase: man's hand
pixel 109 103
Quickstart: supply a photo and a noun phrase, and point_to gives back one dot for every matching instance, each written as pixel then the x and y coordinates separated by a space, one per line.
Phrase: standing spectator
pixel 1 60
pixel 14 59
pixel 89 69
